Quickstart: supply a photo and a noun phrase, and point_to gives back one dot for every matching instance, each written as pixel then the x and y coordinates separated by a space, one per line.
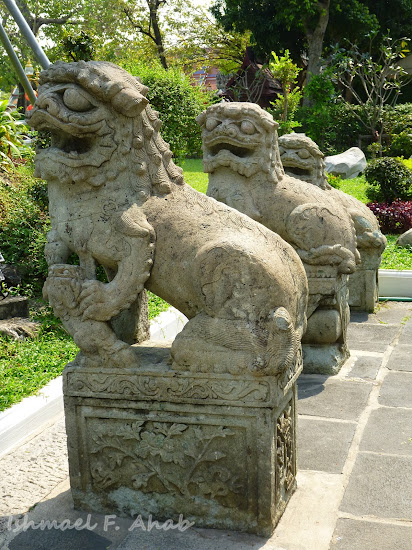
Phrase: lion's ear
pixel 133 223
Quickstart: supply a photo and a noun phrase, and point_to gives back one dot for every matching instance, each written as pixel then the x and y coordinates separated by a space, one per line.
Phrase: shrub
pixel 388 179
pixel 178 104
pixel 334 181
pixel 395 217
pixel 23 226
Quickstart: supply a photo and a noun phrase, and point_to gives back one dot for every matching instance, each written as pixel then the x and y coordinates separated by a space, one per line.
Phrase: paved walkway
pixel 355 466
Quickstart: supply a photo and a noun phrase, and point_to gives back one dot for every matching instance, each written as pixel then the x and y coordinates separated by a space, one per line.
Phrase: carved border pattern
pixel 166 388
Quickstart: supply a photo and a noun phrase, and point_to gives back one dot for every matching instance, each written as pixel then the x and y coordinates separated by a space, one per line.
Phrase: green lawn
pixel 396 257
pixel 194 175
pixel 355 187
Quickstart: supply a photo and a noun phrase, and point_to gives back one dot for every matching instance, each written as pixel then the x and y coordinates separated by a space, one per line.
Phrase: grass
pixel 194 175
pixel 396 257
pixel 26 366
pixel 355 187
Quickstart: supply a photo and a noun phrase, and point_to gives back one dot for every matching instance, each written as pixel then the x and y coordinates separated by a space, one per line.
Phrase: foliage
pixel 12 131
pixel 77 46
pixel 380 79
pixel 334 181
pixel 395 256
pixel 285 107
pixel 395 217
pixel 156 305
pixel 23 226
pixel 178 103
pixel 316 116
pixel 388 179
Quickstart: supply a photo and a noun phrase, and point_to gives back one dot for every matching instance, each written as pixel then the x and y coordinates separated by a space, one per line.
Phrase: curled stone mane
pixel 150 157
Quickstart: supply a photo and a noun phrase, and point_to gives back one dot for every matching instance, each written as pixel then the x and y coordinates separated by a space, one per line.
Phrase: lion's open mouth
pixel 70 144
pixel 241 152
pixel 297 172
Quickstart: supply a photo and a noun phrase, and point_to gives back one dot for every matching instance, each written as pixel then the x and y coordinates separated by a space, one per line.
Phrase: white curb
pixel 33 413
pixel 393 283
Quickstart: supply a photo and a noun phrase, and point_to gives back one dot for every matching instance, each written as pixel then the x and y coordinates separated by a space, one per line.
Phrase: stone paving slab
pixel 331 397
pixel 386 312
pixel 365 535
pixel 323 444
pixel 380 485
pixel 406 335
pixel 396 390
pixel 401 357
pixel 388 431
pixel 34 469
pixel 371 337
pixel 366 367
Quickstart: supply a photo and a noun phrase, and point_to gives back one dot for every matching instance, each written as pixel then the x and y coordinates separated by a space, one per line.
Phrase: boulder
pixel 405 239
pixel 348 164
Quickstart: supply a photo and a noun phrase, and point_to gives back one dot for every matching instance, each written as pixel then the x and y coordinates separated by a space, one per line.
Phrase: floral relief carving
pixel 179 459
pixel 285 453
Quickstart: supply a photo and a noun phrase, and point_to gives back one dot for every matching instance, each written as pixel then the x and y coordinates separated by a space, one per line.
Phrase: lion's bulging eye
pixel 247 127
pixel 211 124
pixel 304 153
pixel 76 101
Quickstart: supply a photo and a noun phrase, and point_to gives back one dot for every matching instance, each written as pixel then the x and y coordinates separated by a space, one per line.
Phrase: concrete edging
pixel 33 413
pixel 394 283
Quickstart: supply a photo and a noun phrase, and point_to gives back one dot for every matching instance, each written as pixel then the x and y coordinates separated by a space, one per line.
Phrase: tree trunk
pixel 315 42
pixel 153 8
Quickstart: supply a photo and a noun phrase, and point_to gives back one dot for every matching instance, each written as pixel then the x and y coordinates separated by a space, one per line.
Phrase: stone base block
pixel 363 290
pixel 14 306
pixel 324 359
pixel 217 448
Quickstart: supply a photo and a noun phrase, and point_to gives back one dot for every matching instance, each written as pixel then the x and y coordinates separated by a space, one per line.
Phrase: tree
pixel 374 82
pixel 286 72
pixel 307 25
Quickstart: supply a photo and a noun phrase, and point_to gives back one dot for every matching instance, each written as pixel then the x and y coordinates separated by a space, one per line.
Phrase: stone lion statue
pixel 301 158
pixel 118 201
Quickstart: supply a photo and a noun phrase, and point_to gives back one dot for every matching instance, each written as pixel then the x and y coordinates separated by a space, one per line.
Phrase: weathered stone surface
pixel 365 367
pixel 388 431
pixel 378 487
pixel 363 535
pixel 59 540
pixel 323 445
pixel 219 449
pixel 332 398
pixel 401 358
pixel 241 155
pixel 371 336
pixel 14 306
pixel 396 390
pixel 18 329
pixel 302 158
pixel 348 164
pixel 118 200
pixel 34 468
pixel 386 313
pixel 405 239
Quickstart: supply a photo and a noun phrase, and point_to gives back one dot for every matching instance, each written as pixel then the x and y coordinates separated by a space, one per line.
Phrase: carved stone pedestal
pixel 324 343
pixel 363 284
pixel 219 449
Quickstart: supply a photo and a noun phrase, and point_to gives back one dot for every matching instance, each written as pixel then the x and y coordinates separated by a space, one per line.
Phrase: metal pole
pixel 27 33
pixel 16 64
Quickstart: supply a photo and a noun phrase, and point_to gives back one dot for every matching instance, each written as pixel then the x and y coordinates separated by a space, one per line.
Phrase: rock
pixel 348 164
pixel 405 239
pixel 18 328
